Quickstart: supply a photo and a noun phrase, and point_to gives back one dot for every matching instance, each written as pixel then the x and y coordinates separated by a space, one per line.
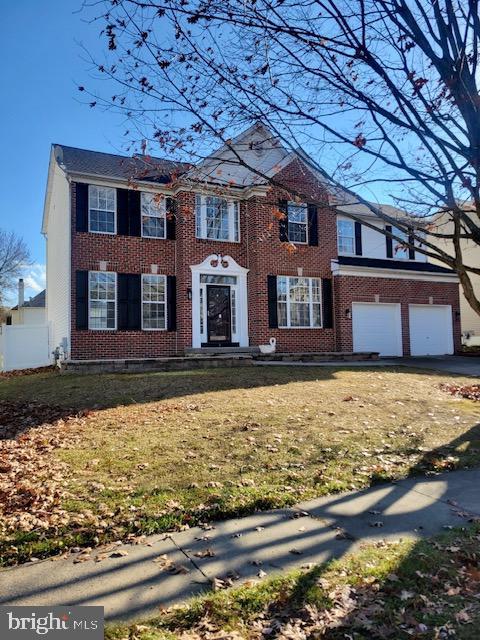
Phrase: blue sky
pixel 41 66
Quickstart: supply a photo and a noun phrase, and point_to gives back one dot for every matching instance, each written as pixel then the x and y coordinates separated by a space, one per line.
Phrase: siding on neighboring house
pixel 470 320
pixel 58 258
pixel 27 315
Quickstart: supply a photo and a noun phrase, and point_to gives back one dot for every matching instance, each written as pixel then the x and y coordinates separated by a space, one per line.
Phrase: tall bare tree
pixel 14 257
pixel 382 94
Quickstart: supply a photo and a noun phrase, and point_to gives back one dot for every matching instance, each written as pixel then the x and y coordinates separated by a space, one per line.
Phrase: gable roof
pixel 36 302
pixel 109 165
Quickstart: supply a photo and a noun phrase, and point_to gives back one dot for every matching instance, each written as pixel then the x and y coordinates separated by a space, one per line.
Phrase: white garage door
pixel 377 327
pixel 431 331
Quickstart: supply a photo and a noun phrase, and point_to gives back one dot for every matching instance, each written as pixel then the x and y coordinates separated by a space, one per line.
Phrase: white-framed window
pixel 154 302
pixel 154 215
pixel 216 219
pixel 297 223
pixel 400 251
pixel 346 236
pixel 299 302
pixel 102 209
pixel 102 300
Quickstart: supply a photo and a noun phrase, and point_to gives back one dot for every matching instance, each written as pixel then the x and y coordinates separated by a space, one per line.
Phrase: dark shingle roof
pixel 37 301
pixel 402 265
pixel 109 165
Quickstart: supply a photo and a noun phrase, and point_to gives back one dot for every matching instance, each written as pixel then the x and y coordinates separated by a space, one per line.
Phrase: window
pixel 297 223
pixel 101 209
pixel 102 300
pixel 154 302
pixel 154 210
pixel 400 252
pixel 299 302
pixel 216 219
pixel 346 236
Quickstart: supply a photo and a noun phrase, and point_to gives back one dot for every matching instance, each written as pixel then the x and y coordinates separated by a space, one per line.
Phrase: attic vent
pixel 257 146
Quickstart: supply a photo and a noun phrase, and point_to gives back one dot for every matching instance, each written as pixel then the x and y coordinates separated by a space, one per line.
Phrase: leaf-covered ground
pixel 395 591
pixel 117 455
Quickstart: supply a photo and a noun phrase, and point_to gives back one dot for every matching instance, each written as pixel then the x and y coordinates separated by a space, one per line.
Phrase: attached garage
pixel 377 327
pixel 431 330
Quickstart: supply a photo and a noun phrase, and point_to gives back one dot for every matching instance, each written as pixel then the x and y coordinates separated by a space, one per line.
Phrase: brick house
pixel 147 258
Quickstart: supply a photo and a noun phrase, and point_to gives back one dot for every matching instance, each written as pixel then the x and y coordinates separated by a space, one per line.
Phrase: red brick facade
pixel 348 289
pixel 259 250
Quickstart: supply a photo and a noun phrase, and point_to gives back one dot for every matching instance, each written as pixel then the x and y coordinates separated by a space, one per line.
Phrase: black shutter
pixel 388 229
pixel 312 225
pixel 134 213
pixel 122 301
pixel 358 239
pixel 129 302
pixel 171 218
pixel 81 292
pixel 122 212
pixel 283 222
pixel 171 303
pixel 272 302
pixel 134 301
pixel 327 303
pixel 411 251
pixel 81 206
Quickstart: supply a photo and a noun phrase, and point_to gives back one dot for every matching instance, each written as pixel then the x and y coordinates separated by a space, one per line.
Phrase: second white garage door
pixel 377 327
pixel 430 330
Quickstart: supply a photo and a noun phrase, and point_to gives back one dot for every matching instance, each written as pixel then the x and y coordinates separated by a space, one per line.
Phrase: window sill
pixel 154 237
pixel 218 240
pixel 302 328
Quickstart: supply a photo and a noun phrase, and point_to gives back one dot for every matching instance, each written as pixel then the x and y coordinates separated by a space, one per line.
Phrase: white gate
pixel 24 346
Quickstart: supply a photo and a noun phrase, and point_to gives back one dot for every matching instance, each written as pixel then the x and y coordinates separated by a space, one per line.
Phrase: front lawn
pixel 160 451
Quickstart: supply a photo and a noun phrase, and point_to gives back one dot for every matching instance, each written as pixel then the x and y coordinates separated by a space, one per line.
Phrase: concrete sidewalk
pixel 167 569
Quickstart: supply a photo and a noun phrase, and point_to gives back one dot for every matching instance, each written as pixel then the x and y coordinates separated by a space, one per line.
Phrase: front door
pixel 219 323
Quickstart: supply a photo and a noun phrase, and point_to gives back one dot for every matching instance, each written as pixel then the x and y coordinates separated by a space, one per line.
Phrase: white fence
pixel 24 346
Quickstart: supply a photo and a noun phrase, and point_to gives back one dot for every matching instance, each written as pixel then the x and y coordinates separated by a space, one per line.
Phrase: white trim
pixel 351 222
pixel 156 275
pixel 115 300
pixel 396 274
pixel 162 216
pixel 310 302
pixel 108 233
pixel 233 213
pixel 306 223
pixel 222 266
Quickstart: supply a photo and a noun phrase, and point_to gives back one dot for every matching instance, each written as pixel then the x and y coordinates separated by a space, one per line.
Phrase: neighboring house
pixel 470 320
pixel 30 311
pixel 147 258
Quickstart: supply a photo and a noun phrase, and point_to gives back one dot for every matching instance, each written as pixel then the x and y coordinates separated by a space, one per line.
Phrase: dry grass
pixel 163 450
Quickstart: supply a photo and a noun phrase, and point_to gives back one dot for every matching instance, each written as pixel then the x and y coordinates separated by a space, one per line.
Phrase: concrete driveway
pixel 462 365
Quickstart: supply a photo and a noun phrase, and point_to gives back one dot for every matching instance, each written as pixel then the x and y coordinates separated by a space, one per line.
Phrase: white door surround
pixel 236 279
pixel 377 326
pixel 431 329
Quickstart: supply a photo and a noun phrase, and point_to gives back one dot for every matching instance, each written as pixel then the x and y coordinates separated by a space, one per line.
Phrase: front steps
pixel 220 351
